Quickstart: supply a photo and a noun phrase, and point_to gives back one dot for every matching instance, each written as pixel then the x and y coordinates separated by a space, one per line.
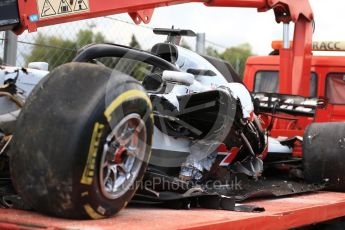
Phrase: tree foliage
pixel 134 42
pixel 57 51
pixel 237 56
pixel 185 45
pixel 85 37
pixel 210 51
pixel 138 69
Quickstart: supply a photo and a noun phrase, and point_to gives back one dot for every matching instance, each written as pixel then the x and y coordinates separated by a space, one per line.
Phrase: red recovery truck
pixel 295 68
pixel 327 83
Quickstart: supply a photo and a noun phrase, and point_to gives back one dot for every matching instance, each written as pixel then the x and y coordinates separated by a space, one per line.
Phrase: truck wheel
pixel 82 142
pixel 324 154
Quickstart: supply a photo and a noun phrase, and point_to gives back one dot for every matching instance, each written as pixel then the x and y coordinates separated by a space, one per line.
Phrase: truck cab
pixel 327 86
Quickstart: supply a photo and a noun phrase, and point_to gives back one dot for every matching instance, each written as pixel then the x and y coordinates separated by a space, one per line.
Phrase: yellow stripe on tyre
pixel 92 213
pixel 126 96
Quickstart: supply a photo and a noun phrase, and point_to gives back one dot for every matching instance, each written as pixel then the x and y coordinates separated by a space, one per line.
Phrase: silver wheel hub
pixel 123 153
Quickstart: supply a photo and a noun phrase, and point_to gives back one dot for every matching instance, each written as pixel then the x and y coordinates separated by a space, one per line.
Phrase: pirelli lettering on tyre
pixel 89 170
pixel 55 8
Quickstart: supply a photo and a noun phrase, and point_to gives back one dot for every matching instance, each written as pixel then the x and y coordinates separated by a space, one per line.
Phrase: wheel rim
pixel 122 156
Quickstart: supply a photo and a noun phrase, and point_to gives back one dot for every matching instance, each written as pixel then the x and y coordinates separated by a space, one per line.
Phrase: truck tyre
pixel 324 155
pixel 82 142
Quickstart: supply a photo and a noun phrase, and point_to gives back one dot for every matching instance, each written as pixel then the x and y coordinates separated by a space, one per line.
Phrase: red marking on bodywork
pixel 230 157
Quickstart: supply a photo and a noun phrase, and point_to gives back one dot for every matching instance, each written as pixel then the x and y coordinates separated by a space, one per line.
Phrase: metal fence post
pixel 200 43
pixel 10 49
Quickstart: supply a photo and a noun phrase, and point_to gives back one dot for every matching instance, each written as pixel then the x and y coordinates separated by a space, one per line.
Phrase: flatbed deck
pixel 282 213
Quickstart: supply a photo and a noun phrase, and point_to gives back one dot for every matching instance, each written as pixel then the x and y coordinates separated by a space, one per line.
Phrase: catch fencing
pixel 58 44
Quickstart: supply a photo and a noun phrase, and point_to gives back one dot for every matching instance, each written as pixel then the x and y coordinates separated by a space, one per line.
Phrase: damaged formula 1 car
pixel 90 139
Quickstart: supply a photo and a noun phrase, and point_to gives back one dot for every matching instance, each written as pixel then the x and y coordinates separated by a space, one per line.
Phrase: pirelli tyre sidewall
pixel 96 205
pixel 60 136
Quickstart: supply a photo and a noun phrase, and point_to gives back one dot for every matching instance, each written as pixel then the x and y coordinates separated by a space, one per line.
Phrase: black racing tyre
pixel 324 155
pixel 82 142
